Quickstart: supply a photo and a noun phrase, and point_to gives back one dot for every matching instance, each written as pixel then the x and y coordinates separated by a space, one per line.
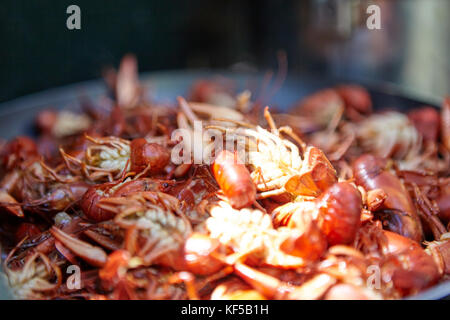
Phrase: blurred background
pixel 324 38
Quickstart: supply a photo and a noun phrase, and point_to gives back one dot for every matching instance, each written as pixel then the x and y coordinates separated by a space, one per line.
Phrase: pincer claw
pixel 91 254
pixel 12 206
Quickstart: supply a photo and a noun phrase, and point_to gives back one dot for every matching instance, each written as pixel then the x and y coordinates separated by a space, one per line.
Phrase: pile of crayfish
pixel 331 200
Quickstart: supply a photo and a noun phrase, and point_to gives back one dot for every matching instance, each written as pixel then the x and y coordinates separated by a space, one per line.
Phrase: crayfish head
pixel 317 174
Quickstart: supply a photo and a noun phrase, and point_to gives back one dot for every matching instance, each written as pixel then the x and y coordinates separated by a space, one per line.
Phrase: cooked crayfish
pixel 205 201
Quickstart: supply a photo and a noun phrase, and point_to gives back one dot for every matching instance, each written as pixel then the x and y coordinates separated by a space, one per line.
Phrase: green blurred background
pixel 38 51
pixel 321 37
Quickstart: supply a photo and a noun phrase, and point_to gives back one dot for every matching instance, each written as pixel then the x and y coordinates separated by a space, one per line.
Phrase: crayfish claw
pixel 93 255
pixel 10 204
